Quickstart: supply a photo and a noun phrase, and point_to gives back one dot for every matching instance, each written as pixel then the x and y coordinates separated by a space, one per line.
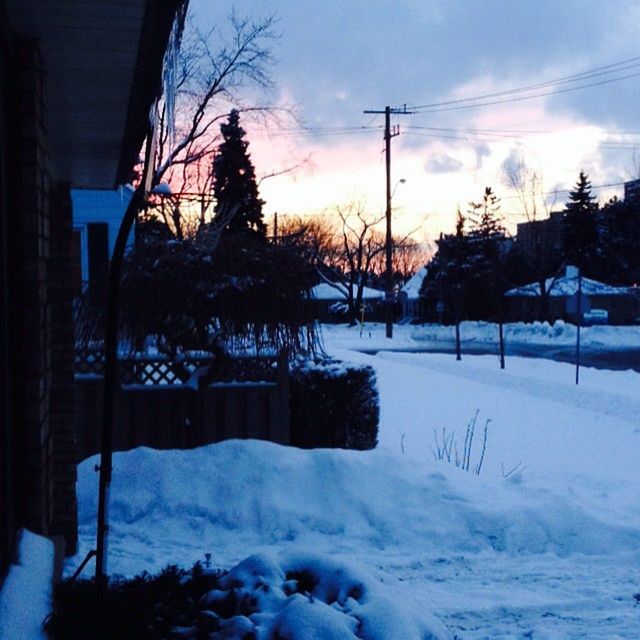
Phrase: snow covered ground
pixel 550 551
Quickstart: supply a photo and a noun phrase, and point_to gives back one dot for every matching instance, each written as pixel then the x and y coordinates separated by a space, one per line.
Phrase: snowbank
pixel 238 495
pixel 25 598
pixel 412 337
pixel 535 333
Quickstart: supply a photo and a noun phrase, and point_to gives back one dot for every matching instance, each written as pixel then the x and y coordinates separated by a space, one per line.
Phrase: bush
pixel 144 608
pixel 334 405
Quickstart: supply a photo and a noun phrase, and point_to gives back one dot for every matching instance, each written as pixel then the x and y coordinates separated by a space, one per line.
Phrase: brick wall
pixel 46 321
pixel 60 282
pixel 34 339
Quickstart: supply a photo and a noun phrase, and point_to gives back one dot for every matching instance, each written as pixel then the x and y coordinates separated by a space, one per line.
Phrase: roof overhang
pixel 103 61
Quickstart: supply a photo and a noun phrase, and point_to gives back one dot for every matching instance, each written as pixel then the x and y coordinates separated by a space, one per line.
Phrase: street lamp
pixel 401 181
pixel 388 302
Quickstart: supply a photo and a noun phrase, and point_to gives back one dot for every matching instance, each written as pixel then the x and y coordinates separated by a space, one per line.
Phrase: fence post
pixel 284 435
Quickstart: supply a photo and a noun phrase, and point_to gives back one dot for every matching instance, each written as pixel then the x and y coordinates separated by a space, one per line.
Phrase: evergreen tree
pixel 621 243
pixel 472 269
pixel 234 179
pixel 580 233
pixel 485 215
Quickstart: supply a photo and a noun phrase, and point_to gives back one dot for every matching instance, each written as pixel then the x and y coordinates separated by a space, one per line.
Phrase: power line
pixel 607 144
pixel 623 65
pixel 530 97
pixel 517 131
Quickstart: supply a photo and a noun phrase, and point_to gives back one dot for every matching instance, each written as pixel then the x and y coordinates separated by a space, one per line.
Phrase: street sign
pixel 572 304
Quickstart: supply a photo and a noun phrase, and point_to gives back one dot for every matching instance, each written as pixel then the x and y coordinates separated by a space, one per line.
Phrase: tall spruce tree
pixel 580 237
pixel 485 216
pixel 234 179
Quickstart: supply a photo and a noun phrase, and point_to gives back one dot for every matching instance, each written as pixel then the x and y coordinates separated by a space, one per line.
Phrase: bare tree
pixel 346 248
pixel 528 185
pixel 315 238
pixel 409 255
pixel 361 244
pixel 212 71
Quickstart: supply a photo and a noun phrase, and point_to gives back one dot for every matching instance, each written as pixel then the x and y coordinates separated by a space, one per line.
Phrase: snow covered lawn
pixel 551 551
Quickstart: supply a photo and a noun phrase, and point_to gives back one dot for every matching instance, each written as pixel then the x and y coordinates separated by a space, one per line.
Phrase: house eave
pixel 103 61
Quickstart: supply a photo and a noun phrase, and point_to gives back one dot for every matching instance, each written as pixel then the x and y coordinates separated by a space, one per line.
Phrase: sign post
pixel 578 304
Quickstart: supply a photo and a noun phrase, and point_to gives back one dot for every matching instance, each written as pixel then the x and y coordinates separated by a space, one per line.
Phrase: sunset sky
pixel 336 58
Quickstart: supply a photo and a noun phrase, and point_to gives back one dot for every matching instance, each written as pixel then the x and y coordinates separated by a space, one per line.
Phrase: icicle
pixel 169 75
pixel 151 147
pixel 170 71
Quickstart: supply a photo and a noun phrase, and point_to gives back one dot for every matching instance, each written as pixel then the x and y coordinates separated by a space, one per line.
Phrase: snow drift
pixel 236 496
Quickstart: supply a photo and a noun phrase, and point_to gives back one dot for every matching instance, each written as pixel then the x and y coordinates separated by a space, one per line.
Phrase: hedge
pixel 334 405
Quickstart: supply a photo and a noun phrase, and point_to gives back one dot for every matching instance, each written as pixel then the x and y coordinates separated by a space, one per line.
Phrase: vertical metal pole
pixel 110 373
pixel 501 344
pixel 579 325
pixel 388 245
pixel 458 349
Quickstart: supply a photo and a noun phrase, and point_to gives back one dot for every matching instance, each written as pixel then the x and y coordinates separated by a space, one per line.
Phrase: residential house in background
pixel 409 296
pixel 97 215
pixel 329 303
pixel 77 80
pixel 613 305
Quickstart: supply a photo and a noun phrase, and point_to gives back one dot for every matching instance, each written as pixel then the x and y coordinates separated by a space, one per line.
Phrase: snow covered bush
pixel 334 405
pixel 290 596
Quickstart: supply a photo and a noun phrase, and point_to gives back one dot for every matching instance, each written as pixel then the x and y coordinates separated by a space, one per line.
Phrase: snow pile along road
pixel 483 334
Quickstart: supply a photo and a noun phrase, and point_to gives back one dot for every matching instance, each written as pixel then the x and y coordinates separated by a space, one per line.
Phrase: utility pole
pixel 388 134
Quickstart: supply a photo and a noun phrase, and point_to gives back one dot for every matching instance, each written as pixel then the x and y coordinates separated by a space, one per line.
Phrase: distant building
pixel 409 295
pixel 632 191
pixel 538 240
pixel 329 303
pixel 621 304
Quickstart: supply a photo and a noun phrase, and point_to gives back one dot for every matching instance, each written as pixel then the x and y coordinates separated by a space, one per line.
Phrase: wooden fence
pixel 181 416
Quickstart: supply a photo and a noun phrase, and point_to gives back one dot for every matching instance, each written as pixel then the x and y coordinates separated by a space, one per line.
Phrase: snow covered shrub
pixel 334 405
pixel 284 597
pixel 143 608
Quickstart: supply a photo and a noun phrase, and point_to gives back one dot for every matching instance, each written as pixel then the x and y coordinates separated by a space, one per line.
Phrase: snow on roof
pixel 412 286
pixel 324 291
pixel 566 286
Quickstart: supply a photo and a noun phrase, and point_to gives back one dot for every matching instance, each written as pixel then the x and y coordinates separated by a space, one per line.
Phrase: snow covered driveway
pixel 552 551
